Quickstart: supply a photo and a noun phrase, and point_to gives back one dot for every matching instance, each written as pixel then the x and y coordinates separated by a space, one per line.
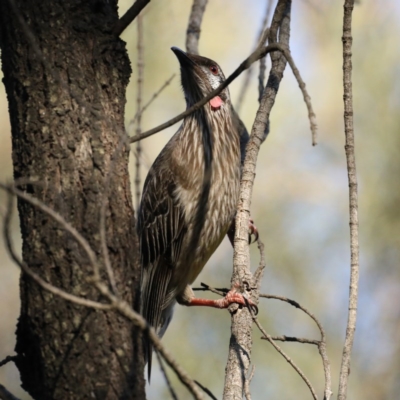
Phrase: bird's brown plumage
pixel 189 196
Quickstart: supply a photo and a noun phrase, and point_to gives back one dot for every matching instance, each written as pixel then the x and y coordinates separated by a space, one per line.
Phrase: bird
pixel 189 199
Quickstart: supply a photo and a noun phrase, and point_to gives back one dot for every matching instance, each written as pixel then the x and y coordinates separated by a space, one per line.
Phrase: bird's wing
pixel 161 229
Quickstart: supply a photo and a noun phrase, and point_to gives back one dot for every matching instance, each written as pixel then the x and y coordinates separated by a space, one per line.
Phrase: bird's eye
pixel 214 69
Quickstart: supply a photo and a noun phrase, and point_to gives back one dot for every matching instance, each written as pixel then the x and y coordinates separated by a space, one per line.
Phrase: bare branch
pixel 168 382
pixel 246 80
pixel 153 97
pixel 206 390
pixel 8 359
pixel 240 344
pixel 41 282
pixel 299 306
pixel 286 357
pixel 321 343
pixel 285 338
pixel 193 30
pixel 353 199
pixel 247 383
pixel 258 274
pixel 129 16
pixel 6 395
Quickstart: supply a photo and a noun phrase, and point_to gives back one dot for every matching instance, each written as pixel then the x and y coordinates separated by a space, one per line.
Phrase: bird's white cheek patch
pixel 216 102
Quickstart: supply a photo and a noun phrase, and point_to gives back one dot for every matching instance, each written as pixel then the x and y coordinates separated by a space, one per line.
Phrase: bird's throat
pixel 216 102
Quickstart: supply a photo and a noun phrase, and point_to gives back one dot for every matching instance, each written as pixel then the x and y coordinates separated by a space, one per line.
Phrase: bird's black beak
pixel 189 72
pixel 183 58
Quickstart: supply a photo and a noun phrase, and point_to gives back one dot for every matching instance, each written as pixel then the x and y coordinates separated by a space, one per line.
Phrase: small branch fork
pixel 113 301
pixel 321 344
pixel 353 199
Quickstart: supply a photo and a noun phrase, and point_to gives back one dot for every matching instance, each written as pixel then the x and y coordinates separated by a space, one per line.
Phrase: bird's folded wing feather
pixel 161 230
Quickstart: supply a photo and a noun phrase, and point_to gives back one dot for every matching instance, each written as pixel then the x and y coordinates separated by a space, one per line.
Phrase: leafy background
pixel 300 201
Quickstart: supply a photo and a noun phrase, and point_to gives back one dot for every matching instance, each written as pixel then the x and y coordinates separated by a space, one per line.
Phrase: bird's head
pixel 200 76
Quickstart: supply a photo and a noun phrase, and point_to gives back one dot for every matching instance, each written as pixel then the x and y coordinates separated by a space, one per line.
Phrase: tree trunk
pixel 65 77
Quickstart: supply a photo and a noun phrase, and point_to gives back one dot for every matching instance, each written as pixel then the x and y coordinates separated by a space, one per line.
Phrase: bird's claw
pixel 252 231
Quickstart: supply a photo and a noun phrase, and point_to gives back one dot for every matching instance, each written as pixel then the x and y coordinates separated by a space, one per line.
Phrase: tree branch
pixel 8 359
pixel 152 98
pixel 6 395
pixel 286 357
pixel 246 80
pixel 240 343
pixel 353 199
pixel 193 30
pixel 320 343
pixel 129 16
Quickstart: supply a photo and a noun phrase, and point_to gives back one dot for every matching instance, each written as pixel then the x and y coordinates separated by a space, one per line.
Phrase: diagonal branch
pixel 353 199
pixel 286 357
pixel 320 343
pixel 6 395
pixel 246 80
pixel 129 16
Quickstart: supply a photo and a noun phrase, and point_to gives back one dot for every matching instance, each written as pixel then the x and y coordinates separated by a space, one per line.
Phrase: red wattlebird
pixel 189 199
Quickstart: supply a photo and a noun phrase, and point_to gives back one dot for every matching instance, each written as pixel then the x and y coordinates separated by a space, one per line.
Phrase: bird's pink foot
pixel 232 297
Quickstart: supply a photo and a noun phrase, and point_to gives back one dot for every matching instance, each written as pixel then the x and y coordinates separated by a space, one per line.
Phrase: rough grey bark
pixel 241 341
pixel 65 75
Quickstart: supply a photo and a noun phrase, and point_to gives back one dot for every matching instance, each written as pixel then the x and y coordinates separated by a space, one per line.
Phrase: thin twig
pixel 153 97
pixel 286 357
pixel 249 72
pixel 167 381
pixel 299 306
pixel 41 282
pixel 285 338
pixel 321 343
pixel 219 291
pixel 353 199
pixel 140 67
pixel 8 359
pixel 206 390
pixel 247 383
pixel 6 395
pixel 193 30
pixel 258 274
pixel 129 16
pixel 256 55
